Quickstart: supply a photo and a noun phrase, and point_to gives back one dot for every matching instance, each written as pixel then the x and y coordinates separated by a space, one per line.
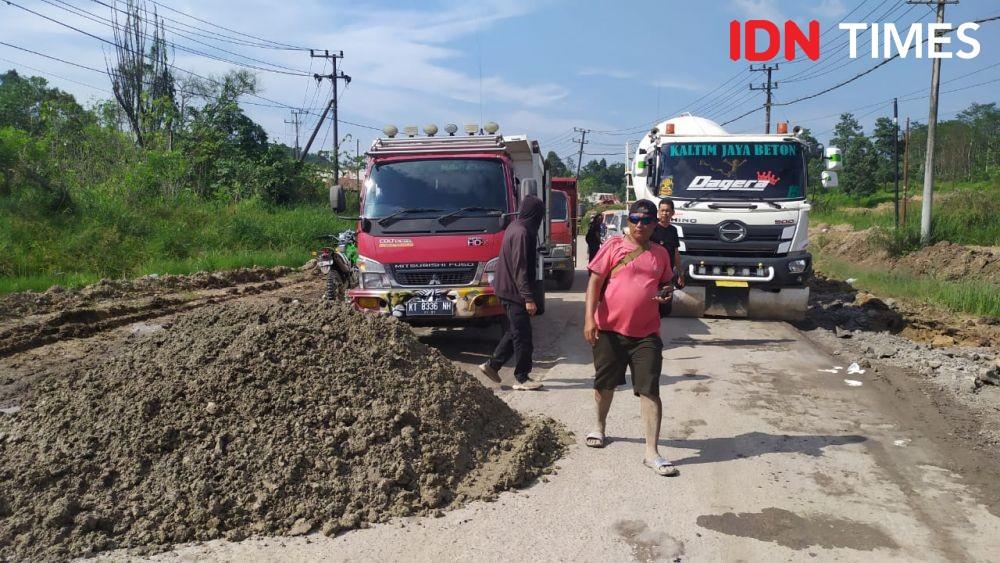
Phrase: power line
pixel 849 80
pixel 247 35
pixel 279 69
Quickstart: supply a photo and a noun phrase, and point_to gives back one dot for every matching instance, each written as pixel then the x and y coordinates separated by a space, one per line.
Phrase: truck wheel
pixel 564 279
pixel 539 292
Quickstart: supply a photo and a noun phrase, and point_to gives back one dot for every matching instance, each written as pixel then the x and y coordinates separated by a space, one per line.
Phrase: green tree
pixel 860 157
pixel 556 166
pixel 884 139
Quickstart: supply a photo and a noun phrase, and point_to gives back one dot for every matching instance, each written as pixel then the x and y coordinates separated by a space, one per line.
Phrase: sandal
pixel 595 440
pixel 662 467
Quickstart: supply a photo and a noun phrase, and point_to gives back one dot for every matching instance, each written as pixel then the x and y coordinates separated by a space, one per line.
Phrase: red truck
pixel 560 264
pixel 433 214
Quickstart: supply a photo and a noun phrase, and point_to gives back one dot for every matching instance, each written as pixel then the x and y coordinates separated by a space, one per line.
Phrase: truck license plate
pixel 438 307
pixel 731 283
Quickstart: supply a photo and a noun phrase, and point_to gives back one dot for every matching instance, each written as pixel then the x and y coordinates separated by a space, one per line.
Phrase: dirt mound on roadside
pixel 56 297
pixel 951 261
pixel 944 260
pixel 254 418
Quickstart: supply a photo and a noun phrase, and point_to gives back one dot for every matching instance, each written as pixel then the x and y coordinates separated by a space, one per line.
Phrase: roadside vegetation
pixel 170 177
pixel 972 297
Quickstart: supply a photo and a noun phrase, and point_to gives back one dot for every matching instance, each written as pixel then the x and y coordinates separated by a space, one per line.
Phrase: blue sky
pixel 536 67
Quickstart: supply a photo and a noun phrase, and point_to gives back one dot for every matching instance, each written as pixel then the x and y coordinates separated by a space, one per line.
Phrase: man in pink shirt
pixel 622 324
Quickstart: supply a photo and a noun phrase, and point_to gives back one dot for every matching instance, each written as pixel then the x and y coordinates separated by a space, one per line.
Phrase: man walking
pixel 624 329
pixel 593 237
pixel 665 235
pixel 514 283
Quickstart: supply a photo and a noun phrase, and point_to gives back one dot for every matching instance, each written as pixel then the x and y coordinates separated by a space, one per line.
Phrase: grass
pixel 975 298
pixel 964 213
pixel 107 237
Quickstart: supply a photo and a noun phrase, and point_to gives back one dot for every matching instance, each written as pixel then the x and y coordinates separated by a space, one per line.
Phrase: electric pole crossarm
pixel 766 87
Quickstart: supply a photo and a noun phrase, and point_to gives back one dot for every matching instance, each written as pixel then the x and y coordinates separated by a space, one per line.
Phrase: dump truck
pixel 433 211
pixel 741 213
pixel 560 264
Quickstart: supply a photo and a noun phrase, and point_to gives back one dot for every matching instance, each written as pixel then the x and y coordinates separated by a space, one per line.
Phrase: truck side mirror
pixel 834 160
pixel 817 150
pixel 529 186
pixel 828 179
pixel 338 202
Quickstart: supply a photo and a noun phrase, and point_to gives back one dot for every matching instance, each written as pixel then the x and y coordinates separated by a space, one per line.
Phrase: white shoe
pixel 528 385
pixel 489 372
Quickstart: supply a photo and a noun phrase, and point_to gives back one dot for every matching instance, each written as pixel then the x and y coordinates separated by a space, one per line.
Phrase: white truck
pixel 741 215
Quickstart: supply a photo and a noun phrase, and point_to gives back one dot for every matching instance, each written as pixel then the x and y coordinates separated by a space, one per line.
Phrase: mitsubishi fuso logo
pixel 732 231
pixel 434 280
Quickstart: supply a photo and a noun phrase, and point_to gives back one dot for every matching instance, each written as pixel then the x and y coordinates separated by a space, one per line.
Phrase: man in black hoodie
pixel 514 284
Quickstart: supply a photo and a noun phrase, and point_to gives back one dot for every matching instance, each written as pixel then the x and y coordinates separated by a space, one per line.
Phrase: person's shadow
pixel 751 444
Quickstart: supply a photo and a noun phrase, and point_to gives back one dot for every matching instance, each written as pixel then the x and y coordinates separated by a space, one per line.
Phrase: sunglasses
pixel 644 219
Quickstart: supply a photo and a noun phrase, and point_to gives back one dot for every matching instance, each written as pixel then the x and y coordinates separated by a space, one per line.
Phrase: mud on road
pixel 230 413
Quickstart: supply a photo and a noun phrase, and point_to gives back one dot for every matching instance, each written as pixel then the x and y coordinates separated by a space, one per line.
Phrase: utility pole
pixel 906 168
pixel 296 113
pixel 925 207
pixel 767 87
pixel 895 156
pixel 583 141
pixel 333 78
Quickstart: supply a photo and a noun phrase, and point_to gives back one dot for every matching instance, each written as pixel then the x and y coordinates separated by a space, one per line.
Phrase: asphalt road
pixel 779 460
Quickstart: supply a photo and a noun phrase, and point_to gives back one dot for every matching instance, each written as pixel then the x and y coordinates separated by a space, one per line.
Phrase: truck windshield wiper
pixel 767 201
pixel 702 197
pixel 488 210
pixel 395 215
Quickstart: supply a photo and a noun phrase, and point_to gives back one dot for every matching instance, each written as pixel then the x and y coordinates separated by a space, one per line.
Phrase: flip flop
pixel 595 437
pixel 662 467
pixel 527 386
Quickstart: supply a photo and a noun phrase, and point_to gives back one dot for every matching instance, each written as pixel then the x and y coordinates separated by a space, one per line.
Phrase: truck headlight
pixel 373 274
pixel 797 266
pixel 561 251
pixel 489 272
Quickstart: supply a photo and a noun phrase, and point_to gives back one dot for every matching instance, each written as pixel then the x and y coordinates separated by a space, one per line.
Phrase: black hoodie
pixel 516 267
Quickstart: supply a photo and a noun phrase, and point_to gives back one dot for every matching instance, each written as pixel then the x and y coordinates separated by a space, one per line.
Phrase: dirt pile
pixel 254 418
pixel 944 260
pixel 56 298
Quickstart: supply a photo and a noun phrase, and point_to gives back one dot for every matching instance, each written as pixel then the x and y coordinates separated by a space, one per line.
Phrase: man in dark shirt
pixel 514 284
pixel 665 235
pixel 594 236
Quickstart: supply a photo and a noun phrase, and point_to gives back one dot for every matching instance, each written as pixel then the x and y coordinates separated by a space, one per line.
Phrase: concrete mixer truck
pixel 741 214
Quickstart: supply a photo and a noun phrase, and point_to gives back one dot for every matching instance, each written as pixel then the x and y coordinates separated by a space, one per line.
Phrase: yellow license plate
pixel 730 283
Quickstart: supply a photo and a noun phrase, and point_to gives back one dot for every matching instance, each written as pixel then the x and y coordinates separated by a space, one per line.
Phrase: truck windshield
pixel 443 185
pixel 559 209
pixel 732 170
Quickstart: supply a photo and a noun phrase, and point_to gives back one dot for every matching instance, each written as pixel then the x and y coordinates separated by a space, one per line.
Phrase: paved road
pixel 779 461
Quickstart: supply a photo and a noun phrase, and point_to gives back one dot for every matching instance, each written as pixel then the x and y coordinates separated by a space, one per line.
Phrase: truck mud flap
pixel 788 304
pixel 689 302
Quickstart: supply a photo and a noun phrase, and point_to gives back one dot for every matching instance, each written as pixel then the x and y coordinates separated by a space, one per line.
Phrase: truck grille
pixel 760 241
pixel 431 276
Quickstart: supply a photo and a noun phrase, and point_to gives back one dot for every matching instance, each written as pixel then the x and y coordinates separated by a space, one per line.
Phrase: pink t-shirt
pixel 628 307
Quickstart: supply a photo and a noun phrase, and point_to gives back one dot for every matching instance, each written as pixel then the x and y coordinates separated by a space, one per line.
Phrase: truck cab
pixel 433 214
pixel 741 214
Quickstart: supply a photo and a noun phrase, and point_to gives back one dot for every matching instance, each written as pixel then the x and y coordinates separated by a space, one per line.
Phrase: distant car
pixel 615 223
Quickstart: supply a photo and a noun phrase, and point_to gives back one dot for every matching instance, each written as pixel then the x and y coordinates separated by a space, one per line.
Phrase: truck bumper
pixel 559 264
pixel 760 273
pixel 469 303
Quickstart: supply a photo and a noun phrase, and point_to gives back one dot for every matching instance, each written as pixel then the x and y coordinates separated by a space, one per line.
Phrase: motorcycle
pixel 339 263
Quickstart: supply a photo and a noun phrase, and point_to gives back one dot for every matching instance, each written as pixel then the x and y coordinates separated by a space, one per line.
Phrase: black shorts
pixel 615 352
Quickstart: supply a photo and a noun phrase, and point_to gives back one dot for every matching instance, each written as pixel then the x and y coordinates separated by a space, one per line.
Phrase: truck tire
pixel 539 291
pixel 564 279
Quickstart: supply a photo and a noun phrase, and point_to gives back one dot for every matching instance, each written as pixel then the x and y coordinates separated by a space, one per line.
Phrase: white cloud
pixel 607 72
pixel 829 8
pixel 687 85
pixel 759 10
